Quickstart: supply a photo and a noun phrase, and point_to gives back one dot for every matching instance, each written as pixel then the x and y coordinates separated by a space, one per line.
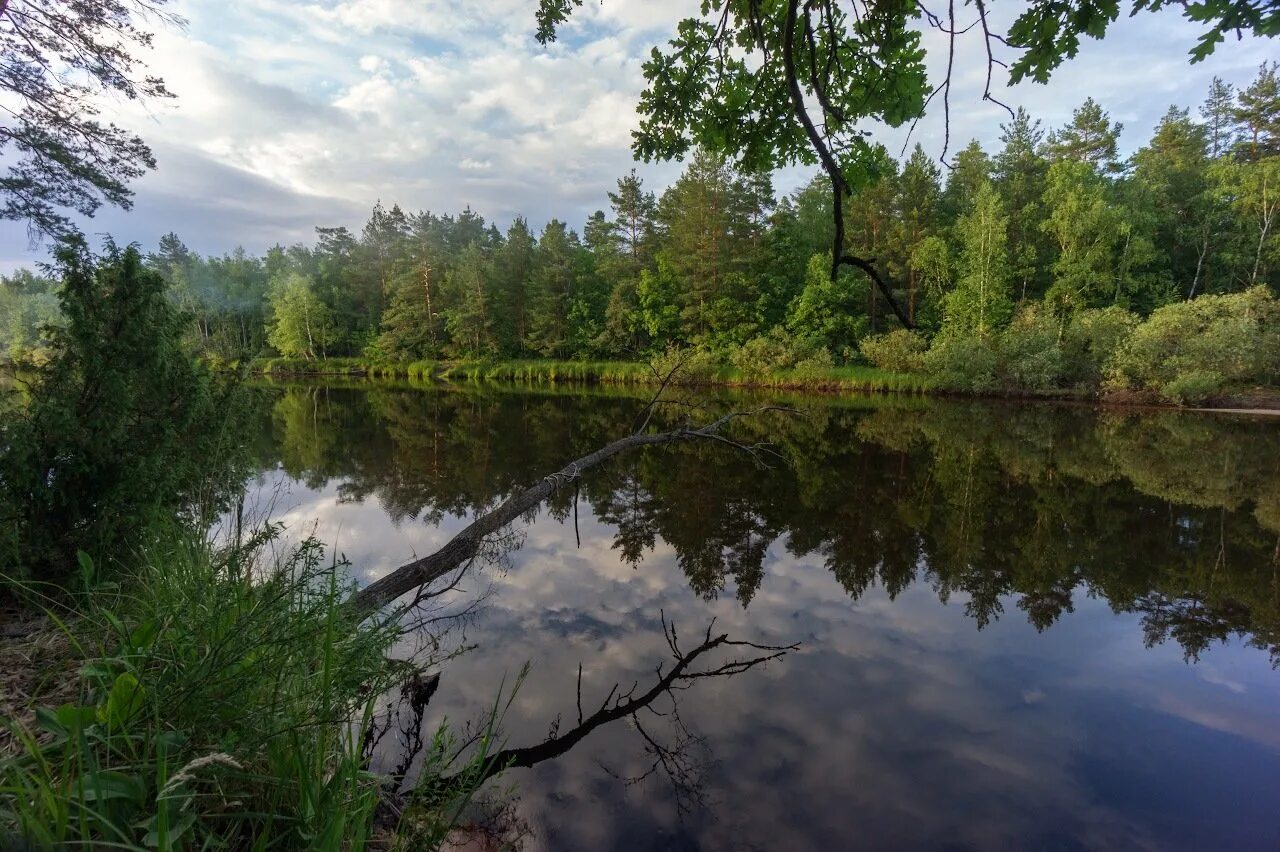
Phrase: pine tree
pixel 1089 138
pixel 919 196
pixel 634 222
pixel 469 321
pixel 1218 112
pixel 1257 111
pixel 553 289
pixel 513 265
pixel 969 171
pixel 1173 168
pixel 712 218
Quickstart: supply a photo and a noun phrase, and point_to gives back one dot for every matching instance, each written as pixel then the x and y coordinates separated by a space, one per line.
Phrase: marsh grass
pixel 861 379
pixel 223 700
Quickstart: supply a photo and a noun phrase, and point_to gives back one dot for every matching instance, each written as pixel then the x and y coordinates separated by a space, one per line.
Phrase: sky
pixel 290 115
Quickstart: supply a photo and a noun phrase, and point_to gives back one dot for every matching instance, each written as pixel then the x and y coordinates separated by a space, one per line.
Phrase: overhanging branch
pixel 466 543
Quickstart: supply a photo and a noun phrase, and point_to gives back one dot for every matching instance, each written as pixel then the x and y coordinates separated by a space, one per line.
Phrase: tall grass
pixel 619 373
pixel 223 703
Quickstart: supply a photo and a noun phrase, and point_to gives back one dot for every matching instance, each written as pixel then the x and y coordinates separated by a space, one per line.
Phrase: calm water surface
pixel 1018 626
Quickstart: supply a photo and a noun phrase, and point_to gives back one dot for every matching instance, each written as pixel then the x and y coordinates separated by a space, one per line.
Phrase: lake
pixel 1015 625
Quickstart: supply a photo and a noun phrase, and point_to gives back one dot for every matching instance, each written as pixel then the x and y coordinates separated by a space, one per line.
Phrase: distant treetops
pixel 1053 220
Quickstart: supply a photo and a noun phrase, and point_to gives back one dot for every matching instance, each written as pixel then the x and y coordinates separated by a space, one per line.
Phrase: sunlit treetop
pixel 772 83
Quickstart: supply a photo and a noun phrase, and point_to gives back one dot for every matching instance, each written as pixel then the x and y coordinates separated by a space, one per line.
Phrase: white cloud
pixel 333 105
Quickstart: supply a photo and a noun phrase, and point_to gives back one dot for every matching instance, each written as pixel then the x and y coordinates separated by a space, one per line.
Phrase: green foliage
pixel 62 62
pixel 1086 229
pixel 1050 32
pixel 1031 354
pixel 1090 139
pixel 718 261
pixel 980 305
pixel 765 356
pixel 124 432
pixel 1184 348
pixel 899 351
pixel 223 705
pixel 300 323
pixel 963 364
pixel 827 311
pixel 1090 342
pixel 28 308
pixel 1193 387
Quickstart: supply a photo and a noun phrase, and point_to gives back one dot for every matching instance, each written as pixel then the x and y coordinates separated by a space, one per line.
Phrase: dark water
pixel 1019 626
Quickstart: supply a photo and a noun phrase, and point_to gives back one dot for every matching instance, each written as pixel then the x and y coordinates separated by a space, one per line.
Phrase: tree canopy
pixel 771 83
pixel 56 61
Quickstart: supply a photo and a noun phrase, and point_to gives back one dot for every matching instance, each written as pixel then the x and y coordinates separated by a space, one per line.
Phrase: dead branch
pixel 465 545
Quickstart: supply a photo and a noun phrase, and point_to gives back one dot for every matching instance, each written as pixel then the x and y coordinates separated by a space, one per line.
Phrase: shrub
pixel 815 366
pixel 762 356
pixel 900 351
pixel 964 364
pixel 1029 352
pixel 1181 346
pixel 1091 340
pixel 776 352
pixel 1192 388
pixel 215 710
pixel 123 433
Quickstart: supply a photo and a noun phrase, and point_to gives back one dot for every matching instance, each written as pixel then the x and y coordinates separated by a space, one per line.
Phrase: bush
pixel 964 364
pixel 1029 352
pixel 1193 388
pixel 776 352
pixel 900 351
pixel 1181 347
pixel 124 432
pixel 1091 341
pixel 762 356
pixel 815 367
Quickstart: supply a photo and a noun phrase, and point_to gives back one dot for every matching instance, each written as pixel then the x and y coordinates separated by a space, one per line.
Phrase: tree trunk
pixel 466 544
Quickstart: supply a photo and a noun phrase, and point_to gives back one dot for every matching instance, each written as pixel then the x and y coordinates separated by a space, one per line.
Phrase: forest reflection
pixel 1172 516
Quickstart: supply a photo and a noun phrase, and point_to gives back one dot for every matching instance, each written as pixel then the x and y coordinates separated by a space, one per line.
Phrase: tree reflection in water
pixel 1172 516
pixel 676 754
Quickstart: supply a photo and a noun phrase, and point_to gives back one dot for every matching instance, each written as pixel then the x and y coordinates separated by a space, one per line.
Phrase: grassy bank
pixel 206 699
pixel 626 373
pixel 634 374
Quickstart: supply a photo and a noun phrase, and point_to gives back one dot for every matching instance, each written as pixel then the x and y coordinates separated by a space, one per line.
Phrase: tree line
pixel 1052 221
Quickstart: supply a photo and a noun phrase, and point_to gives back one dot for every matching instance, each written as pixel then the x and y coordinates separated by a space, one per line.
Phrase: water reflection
pixel 1172 516
pixel 889 536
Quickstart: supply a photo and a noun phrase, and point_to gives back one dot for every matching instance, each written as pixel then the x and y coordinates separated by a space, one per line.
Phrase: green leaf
pixel 180 826
pixel 65 720
pixel 144 634
pixel 86 568
pixel 125 699
pixel 106 784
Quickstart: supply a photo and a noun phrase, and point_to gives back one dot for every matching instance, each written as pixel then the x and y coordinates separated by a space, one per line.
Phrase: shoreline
pixel 839 380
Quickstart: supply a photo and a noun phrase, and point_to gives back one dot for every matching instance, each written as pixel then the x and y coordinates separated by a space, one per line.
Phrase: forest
pixel 185 669
pixel 1049 263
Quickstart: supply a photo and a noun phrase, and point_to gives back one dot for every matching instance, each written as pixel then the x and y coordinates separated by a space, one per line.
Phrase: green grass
pixel 621 373
pixel 223 702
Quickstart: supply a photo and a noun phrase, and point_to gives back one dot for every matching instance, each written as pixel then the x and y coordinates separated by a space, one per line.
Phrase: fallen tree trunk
pixel 466 544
